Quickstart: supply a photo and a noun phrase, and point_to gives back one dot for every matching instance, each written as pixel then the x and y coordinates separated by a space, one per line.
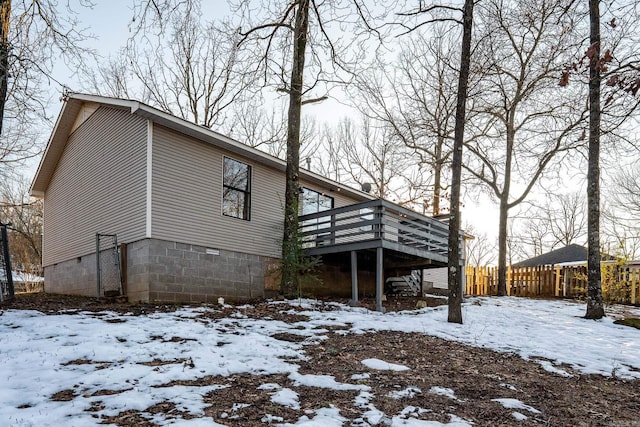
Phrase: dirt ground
pixel 477 375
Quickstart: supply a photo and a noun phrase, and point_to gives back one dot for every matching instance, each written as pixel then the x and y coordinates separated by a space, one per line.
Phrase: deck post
pixel 379 280
pixel 354 279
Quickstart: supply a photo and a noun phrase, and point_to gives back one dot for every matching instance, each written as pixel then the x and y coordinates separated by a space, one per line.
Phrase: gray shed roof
pixel 571 253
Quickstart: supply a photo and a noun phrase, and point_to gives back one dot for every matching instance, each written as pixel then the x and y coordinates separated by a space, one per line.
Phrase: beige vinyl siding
pixel 98 186
pixel 187 198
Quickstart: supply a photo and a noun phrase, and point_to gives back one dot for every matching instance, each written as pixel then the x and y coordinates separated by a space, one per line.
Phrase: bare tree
pixel 527 122
pixel 24 214
pixel 414 96
pixel 626 191
pixel 595 306
pixel 455 275
pixel 560 220
pixel 265 128
pixel 329 156
pixel 370 154
pixel 34 35
pixel 298 12
pixel 620 229
pixel 617 65
pixel 480 250
pixel 286 35
pixel 566 213
pixel 181 63
pixel 426 14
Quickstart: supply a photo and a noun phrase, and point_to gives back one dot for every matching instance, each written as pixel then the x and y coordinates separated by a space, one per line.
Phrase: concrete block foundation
pixel 165 271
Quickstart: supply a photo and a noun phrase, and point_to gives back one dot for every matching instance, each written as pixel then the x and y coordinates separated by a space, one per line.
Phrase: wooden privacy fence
pixel 620 282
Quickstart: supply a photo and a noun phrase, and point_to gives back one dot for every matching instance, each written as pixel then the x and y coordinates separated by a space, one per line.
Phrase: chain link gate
pixel 6 278
pixel 108 266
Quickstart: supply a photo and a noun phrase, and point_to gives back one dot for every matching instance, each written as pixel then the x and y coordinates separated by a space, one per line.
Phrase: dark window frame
pixel 229 188
pixel 319 194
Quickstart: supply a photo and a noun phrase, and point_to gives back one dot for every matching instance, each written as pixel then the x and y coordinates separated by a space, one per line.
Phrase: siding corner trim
pixel 149 177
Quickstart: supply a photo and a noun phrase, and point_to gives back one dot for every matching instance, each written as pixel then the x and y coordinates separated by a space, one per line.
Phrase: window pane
pixel 233 204
pixel 236 189
pixel 325 203
pixel 312 201
pixel 236 174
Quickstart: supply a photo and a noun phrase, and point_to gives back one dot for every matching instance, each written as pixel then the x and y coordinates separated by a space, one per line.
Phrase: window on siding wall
pixel 236 192
pixel 313 201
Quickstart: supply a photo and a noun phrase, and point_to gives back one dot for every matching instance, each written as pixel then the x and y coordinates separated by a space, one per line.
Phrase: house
pixel 199 215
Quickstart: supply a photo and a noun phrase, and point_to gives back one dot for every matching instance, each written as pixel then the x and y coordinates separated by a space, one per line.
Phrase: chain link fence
pixel 6 278
pixel 108 266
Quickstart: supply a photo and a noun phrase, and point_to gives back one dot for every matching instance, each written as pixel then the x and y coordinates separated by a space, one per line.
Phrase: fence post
pixel 7 262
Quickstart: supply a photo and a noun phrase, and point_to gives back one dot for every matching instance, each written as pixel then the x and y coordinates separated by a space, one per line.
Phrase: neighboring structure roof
pixel 571 253
pixel 567 255
pixel 73 105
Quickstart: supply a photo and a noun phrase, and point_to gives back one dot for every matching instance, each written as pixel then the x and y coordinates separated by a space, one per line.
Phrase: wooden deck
pixel 375 224
pixel 400 237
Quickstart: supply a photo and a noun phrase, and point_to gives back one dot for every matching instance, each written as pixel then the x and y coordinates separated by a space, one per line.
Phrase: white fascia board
pixel 149 177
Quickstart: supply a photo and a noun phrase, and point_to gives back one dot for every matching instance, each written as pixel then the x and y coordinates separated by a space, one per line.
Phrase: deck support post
pixel 379 280
pixel 354 279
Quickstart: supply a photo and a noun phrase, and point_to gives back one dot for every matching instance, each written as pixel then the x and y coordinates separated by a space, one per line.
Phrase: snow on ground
pixel 137 357
pixel 381 365
pixel 444 391
pixel 516 404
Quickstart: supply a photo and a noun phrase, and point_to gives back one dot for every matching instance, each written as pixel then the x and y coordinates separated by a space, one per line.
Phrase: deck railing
pixel 372 224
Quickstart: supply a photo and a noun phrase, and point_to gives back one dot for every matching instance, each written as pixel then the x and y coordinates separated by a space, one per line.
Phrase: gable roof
pixel 72 106
pixel 571 253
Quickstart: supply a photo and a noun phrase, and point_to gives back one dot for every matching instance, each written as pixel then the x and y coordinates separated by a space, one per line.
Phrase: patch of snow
pixel 374 416
pixel 454 421
pixel 515 404
pixel 519 416
pixel 414 411
pixel 271 419
pixel 444 391
pixel 548 366
pixel 323 381
pixel 555 330
pixel 360 376
pixel 381 365
pixel 362 399
pixel 287 398
pixel 22 277
pixel 508 386
pixel 269 386
pixel 325 417
pixel 408 392
pixel 237 406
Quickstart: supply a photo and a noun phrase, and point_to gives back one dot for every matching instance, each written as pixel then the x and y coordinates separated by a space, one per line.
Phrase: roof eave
pixel 62 130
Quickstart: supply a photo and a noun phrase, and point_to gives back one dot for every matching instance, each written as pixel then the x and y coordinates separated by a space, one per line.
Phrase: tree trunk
pixel 290 244
pixel 5 15
pixel 504 206
pixel 502 245
pixel 595 308
pixel 455 285
pixel 437 176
